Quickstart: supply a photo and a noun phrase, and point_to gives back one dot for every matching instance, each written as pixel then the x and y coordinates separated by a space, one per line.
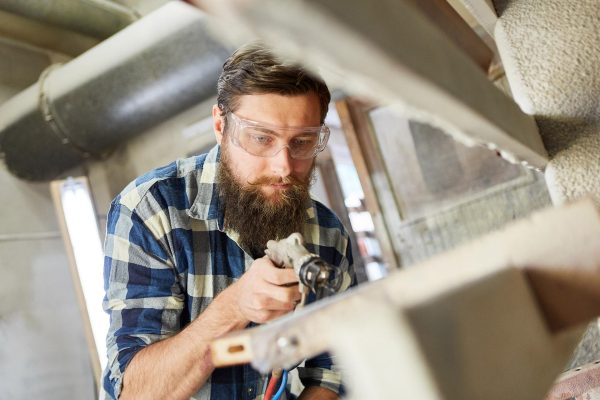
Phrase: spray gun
pixel 314 273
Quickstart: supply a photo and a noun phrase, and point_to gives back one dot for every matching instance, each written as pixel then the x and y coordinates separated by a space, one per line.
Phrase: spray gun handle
pixel 314 273
pixel 289 252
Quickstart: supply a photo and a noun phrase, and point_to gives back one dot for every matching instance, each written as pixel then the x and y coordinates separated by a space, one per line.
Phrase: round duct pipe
pixel 157 67
pixel 96 18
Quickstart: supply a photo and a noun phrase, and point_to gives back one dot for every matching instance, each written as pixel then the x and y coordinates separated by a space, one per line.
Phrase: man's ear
pixel 218 123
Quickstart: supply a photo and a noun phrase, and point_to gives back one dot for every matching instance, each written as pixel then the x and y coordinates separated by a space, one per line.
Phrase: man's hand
pixel 266 292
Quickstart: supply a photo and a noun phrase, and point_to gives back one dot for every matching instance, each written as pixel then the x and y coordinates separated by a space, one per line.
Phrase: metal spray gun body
pixel 315 275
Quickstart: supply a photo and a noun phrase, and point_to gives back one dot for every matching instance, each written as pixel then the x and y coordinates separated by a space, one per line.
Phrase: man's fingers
pixel 283 294
pixel 268 292
pixel 281 276
pixel 275 275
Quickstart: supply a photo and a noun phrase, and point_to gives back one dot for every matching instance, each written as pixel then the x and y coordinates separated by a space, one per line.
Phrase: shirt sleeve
pixel 143 296
pixel 321 370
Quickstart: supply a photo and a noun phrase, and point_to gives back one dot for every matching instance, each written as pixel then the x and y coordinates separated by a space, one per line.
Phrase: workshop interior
pixel 463 159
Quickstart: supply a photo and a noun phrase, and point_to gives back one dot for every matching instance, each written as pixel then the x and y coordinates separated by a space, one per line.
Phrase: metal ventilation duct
pixel 148 72
pixel 96 18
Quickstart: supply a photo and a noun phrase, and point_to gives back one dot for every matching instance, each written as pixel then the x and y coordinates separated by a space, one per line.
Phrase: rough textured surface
pixel 574 172
pixel 552 47
pixel 444 230
pixel 589 348
pixel 550 50
pixel 582 383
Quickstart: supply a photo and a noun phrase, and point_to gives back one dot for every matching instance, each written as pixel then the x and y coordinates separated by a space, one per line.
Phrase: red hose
pixel 272 387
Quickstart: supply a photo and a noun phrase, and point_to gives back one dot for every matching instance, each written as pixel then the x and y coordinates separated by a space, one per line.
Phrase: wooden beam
pixel 379 198
pixel 392 54
pixel 467 320
pixel 445 17
pixel 333 187
pixel 566 297
pixel 482 11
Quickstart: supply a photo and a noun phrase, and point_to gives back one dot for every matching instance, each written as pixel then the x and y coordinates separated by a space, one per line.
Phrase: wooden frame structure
pixel 495 328
pixel 396 177
pixel 335 195
pixel 481 11
pixel 403 59
pixel 373 177
pixel 489 328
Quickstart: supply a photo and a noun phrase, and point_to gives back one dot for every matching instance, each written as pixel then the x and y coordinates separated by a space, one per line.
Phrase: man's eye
pixel 261 139
pixel 304 142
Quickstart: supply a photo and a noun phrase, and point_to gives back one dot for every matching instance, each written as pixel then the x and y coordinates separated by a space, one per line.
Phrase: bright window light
pixel 79 227
pixel 361 221
pixel 375 271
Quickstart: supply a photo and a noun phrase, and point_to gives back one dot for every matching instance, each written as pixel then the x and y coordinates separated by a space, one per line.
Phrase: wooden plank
pixel 232 351
pixel 368 163
pixel 470 313
pixel 335 196
pixel 482 11
pixel 565 296
pixel 441 13
pixel 392 54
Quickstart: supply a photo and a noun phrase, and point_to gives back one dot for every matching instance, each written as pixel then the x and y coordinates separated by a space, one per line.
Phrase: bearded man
pixel 185 243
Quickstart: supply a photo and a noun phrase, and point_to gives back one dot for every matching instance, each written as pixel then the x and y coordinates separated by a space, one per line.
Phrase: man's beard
pixel 255 217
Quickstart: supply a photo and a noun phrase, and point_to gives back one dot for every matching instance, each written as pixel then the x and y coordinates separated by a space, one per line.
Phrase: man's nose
pixel 281 163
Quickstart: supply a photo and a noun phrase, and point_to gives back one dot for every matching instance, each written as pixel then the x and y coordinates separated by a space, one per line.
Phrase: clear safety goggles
pixel 264 140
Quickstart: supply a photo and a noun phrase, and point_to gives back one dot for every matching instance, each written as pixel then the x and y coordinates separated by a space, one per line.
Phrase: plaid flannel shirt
pixel 167 256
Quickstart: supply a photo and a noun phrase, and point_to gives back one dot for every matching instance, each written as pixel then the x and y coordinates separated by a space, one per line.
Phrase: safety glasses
pixel 264 140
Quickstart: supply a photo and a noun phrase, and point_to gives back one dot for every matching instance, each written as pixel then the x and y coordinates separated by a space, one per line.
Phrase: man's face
pixel 270 173
pixel 266 197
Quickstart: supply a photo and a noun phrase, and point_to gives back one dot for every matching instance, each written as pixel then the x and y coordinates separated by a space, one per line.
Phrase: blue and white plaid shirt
pixel 167 257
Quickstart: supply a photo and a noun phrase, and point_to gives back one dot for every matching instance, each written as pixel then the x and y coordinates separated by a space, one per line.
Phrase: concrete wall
pixel 43 353
pixel 181 136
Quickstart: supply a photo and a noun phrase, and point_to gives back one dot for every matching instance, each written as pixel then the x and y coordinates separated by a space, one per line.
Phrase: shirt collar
pixel 206 204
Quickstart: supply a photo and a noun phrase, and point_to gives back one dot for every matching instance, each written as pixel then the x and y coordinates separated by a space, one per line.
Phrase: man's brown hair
pixel 253 69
